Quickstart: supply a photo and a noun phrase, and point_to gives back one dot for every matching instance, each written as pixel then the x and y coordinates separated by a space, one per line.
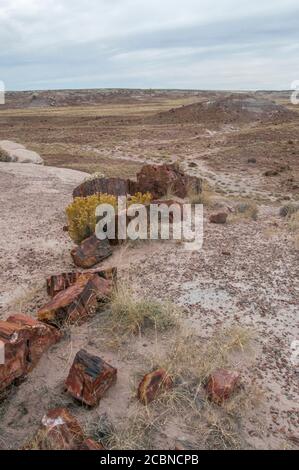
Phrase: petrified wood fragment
pixel 154 384
pixel 89 378
pixel 78 302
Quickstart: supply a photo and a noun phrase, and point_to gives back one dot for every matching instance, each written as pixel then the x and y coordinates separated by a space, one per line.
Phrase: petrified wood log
pixel 158 179
pixel 76 303
pixel 153 384
pixel 114 186
pixel 24 340
pixel 89 378
pixel 60 282
pixel 90 252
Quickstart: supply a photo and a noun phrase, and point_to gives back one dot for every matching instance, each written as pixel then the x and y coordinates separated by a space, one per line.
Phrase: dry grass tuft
pixel 293 222
pixel 131 315
pixel 4 156
pixel 245 210
pixel 205 197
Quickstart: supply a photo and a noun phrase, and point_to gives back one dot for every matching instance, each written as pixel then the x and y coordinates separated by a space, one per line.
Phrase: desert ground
pixel 236 300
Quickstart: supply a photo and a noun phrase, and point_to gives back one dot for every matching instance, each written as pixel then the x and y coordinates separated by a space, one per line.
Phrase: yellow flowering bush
pixel 81 212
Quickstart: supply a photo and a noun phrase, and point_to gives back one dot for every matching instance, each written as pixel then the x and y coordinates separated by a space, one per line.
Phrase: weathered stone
pixel 221 385
pixel 89 378
pixel 91 251
pixel 158 179
pixel 76 303
pixel 18 153
pixel 90 444
pixel 153 384
pixel 60 282
pixel 114 186
pixel 25 340
pixel 218 218
pixel 59 430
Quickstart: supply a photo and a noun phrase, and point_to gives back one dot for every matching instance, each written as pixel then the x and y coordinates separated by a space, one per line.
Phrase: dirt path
pixel 32 200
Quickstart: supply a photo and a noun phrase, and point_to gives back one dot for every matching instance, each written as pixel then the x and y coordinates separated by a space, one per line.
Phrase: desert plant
pixel 81 213
pixel 4 156
pixel 289 209
pixel 246 210
pixel 132 315
pixel 293 222
pixel 140 198
pixel 205 197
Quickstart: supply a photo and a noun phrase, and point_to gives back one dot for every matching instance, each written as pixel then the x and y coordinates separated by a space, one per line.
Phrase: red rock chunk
pixel 90 252
pixel 153 384
pixel 89 378
pixel 222 384
pixel 218 218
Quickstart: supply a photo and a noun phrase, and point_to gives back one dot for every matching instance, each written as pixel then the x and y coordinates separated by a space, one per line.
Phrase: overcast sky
pixel 199 44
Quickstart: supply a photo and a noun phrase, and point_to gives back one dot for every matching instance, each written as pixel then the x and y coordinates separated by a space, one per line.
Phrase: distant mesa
pixel 13 152
pixel 236 108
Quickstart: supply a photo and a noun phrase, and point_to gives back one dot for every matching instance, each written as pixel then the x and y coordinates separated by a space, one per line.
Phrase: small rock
pixel 221 385
pixel 153 384
pixel 89 378
pixel 251 160
pixel 218 218
pixel 271 173
pixel 91 251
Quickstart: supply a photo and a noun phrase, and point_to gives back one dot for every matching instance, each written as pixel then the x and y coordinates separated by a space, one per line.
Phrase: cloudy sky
pixel 199 44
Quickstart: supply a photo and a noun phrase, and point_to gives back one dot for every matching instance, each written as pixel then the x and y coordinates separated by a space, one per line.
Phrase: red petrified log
pixel 158 179
pixel 90 252
pixel 77 302
pixel 153 384
pixel 24 340
pixel 221 384
pixel 60 282
pixel 89 378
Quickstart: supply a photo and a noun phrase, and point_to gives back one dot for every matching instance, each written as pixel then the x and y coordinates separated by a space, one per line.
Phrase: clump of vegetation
pixel 130 315
pixel 205 197
pixel 288 209
pixel 140 198
pixel 4 156
pixel 293 222
pixel 247 209
pixel 81 213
